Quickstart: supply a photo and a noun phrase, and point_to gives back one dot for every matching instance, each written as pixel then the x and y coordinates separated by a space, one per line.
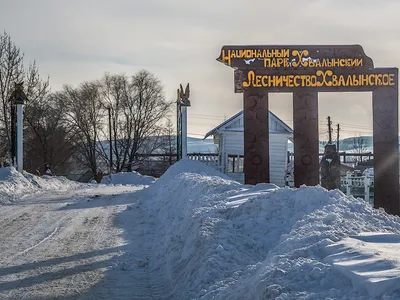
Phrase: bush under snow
pixel 128 178
pixel 213 238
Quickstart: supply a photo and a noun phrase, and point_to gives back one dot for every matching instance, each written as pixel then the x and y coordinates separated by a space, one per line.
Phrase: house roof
pixel 239 114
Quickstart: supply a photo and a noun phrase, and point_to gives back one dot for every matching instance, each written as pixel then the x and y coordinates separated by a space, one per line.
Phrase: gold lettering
pixel 278 81
pixel 285 52
pixel 314 80
pixel 321 78
pixel 371 79
pixel 264 54
pixel 391 79
pixel 250 78
pixel 335 80
pixel 349 82
pixel 226 58
pixel 258 81
pixel 264 84
pixel 299 55
pixel 290 81
pixel 267 62
pixel 385 79
pixel 286 63
pixel 335 62
pixel 379 79
pixel 355 80
pixel 364 79
pixel 324 76
pixel 341 81
pixel 296 81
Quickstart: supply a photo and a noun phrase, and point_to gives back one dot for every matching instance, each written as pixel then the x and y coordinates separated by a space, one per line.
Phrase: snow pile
pixel 13 184
pixel 218 239
pixel 369 260
pixel 128 178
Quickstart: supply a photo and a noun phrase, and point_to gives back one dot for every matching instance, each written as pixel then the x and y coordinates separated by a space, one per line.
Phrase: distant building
pixel 230 140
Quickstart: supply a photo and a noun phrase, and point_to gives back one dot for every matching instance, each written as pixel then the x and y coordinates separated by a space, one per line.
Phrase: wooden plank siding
pixel 233 145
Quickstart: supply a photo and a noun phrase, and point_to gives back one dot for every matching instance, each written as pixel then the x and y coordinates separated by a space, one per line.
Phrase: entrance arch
pixel 305 71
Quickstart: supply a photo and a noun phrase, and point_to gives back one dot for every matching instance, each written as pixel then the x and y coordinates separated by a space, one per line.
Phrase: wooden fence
pixel 345 157
pixel 358 186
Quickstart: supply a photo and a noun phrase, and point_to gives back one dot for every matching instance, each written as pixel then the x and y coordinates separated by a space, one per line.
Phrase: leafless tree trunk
pixel 138 107
pixel 358 146
pixel 84 113
pixel 169 140
pixel 11 71
pixel 49 140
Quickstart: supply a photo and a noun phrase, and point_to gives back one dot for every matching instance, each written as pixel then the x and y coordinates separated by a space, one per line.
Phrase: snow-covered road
pixel 65 245
pixel 192 234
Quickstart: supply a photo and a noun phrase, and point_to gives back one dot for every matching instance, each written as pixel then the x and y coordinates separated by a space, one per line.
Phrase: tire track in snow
pixel 42 241
pixel 75 259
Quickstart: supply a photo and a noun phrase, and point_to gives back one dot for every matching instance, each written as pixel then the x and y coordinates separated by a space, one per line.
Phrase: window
pixel 235 164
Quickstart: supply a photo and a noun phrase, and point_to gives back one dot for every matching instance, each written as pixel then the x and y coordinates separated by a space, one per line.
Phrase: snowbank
pixel 369 260
pixel 13 184
pixel 218 239
pixel 128 178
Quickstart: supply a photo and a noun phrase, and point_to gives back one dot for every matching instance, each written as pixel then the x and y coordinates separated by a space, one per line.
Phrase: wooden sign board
pixel 305 71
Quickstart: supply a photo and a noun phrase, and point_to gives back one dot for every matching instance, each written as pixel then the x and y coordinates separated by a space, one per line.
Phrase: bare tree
pixel 138 106
pixel 50 139
pixel 84 114
pixel 169 140
pixel 358 146
pixel 11 71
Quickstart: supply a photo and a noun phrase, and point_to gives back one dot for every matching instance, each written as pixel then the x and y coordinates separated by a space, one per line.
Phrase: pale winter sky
pixel 179 41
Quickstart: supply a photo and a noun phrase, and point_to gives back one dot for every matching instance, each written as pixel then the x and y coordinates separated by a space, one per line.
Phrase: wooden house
pixel 230 140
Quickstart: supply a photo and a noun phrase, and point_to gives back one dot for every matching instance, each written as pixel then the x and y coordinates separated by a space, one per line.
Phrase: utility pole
pixel 337 138
pixel 329 130
pixel 110 133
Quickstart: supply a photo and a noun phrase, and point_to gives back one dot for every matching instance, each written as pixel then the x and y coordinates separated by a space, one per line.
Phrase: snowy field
pixel 191 234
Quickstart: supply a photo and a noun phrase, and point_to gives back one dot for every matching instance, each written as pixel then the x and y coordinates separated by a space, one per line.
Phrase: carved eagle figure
pixel 18 96
pixel 184 96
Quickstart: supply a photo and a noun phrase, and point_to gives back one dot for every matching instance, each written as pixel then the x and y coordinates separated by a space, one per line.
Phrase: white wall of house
pixel 233 144
pixel 230 140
